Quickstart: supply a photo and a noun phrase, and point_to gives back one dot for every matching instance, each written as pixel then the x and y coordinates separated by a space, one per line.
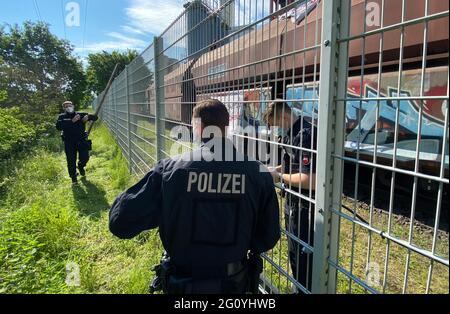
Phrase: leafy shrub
pixel 3 95
pixel 14 134
pixel 45 224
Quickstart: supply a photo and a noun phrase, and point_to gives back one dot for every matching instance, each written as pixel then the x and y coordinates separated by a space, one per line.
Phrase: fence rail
pixel 370 77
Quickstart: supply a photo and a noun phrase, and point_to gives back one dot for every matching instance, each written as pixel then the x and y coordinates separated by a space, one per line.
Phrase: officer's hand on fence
pixel 275 174
pixel 76 118
pixel 85 119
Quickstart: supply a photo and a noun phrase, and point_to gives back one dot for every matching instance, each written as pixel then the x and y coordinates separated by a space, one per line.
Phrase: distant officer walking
pixel 297 172
pixel 216 211
pixel 73 132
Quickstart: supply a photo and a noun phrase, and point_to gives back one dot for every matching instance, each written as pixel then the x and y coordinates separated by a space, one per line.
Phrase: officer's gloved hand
pixel 76 118
pixel 275 174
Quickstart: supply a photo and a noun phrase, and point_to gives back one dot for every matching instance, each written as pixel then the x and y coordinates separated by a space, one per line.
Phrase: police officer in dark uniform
pixel 297 173
pixel 213 207
pixel 73 132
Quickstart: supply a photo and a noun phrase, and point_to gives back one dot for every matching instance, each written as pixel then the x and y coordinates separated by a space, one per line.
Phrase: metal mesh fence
pixel 367 83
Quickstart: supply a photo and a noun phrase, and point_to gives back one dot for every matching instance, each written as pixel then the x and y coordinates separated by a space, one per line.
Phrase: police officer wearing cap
pixel 297 173
pixel 72 125
pixel 214 208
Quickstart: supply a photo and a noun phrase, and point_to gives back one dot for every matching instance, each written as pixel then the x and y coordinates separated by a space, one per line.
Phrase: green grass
pixel 419 265
pixel 397 258
pixel 359 236
pixel 145 142
pixel 46 225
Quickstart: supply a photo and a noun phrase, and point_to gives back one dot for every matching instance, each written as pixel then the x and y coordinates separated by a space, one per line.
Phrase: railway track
pixel 425 203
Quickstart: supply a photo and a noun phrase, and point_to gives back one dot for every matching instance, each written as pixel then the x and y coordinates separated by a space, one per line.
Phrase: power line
pixel 86 4
pixel 63 19
pixel 36 9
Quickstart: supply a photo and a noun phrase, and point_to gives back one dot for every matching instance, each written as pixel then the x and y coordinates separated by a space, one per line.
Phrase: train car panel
pixel 361 117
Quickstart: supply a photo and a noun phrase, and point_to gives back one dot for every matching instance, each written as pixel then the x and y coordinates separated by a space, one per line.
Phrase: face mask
pixel 70 109
pixel 280 132
pixel 196 131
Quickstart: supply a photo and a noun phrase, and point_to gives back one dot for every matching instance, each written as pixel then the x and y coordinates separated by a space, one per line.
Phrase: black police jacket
pixel 73 132
pixel 302 136
pixel 209 213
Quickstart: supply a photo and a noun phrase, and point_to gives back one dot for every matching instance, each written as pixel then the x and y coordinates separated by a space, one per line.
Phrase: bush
pixel 14 134
pixel 47 225
pixel 3 95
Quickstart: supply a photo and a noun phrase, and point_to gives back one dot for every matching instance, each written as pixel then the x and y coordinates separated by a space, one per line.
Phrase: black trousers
pixel 235 284
pixel 299 222
pixel 72 149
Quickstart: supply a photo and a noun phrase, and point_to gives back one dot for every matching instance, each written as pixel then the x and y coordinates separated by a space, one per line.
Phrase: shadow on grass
pixel 89 198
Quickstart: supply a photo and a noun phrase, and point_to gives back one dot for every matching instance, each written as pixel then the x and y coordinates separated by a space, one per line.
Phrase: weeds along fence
pixel 371 76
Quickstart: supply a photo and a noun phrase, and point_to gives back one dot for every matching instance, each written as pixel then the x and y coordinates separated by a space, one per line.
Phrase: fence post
pixel 108 104
pixel 127 99
pixel 159 97
pixel 116 122
pixel 113 98
pixel 331 134
pixel 113 95
pixel 111 111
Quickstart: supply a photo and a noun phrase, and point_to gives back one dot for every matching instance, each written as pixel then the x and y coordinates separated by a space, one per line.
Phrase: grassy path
pixel 49 228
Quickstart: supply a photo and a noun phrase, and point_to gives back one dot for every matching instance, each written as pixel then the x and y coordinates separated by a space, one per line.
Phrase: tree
pixel 101 65
pixel 38 69
pixel 3 93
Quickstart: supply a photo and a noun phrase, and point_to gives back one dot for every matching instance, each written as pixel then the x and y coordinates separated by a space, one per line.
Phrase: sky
pixel 96 25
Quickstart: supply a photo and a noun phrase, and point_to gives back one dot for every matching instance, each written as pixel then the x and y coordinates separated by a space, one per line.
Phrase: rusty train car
pixel 260 64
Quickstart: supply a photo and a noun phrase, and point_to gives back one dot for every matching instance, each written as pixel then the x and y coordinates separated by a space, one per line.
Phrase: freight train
pixel 280 59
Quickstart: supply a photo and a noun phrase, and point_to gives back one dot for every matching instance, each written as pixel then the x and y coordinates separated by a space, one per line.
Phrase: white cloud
pixel 247 14
pixel 131 30
pixel 118 42
pixel 134 42
pixel 152 17
pixel 144 18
